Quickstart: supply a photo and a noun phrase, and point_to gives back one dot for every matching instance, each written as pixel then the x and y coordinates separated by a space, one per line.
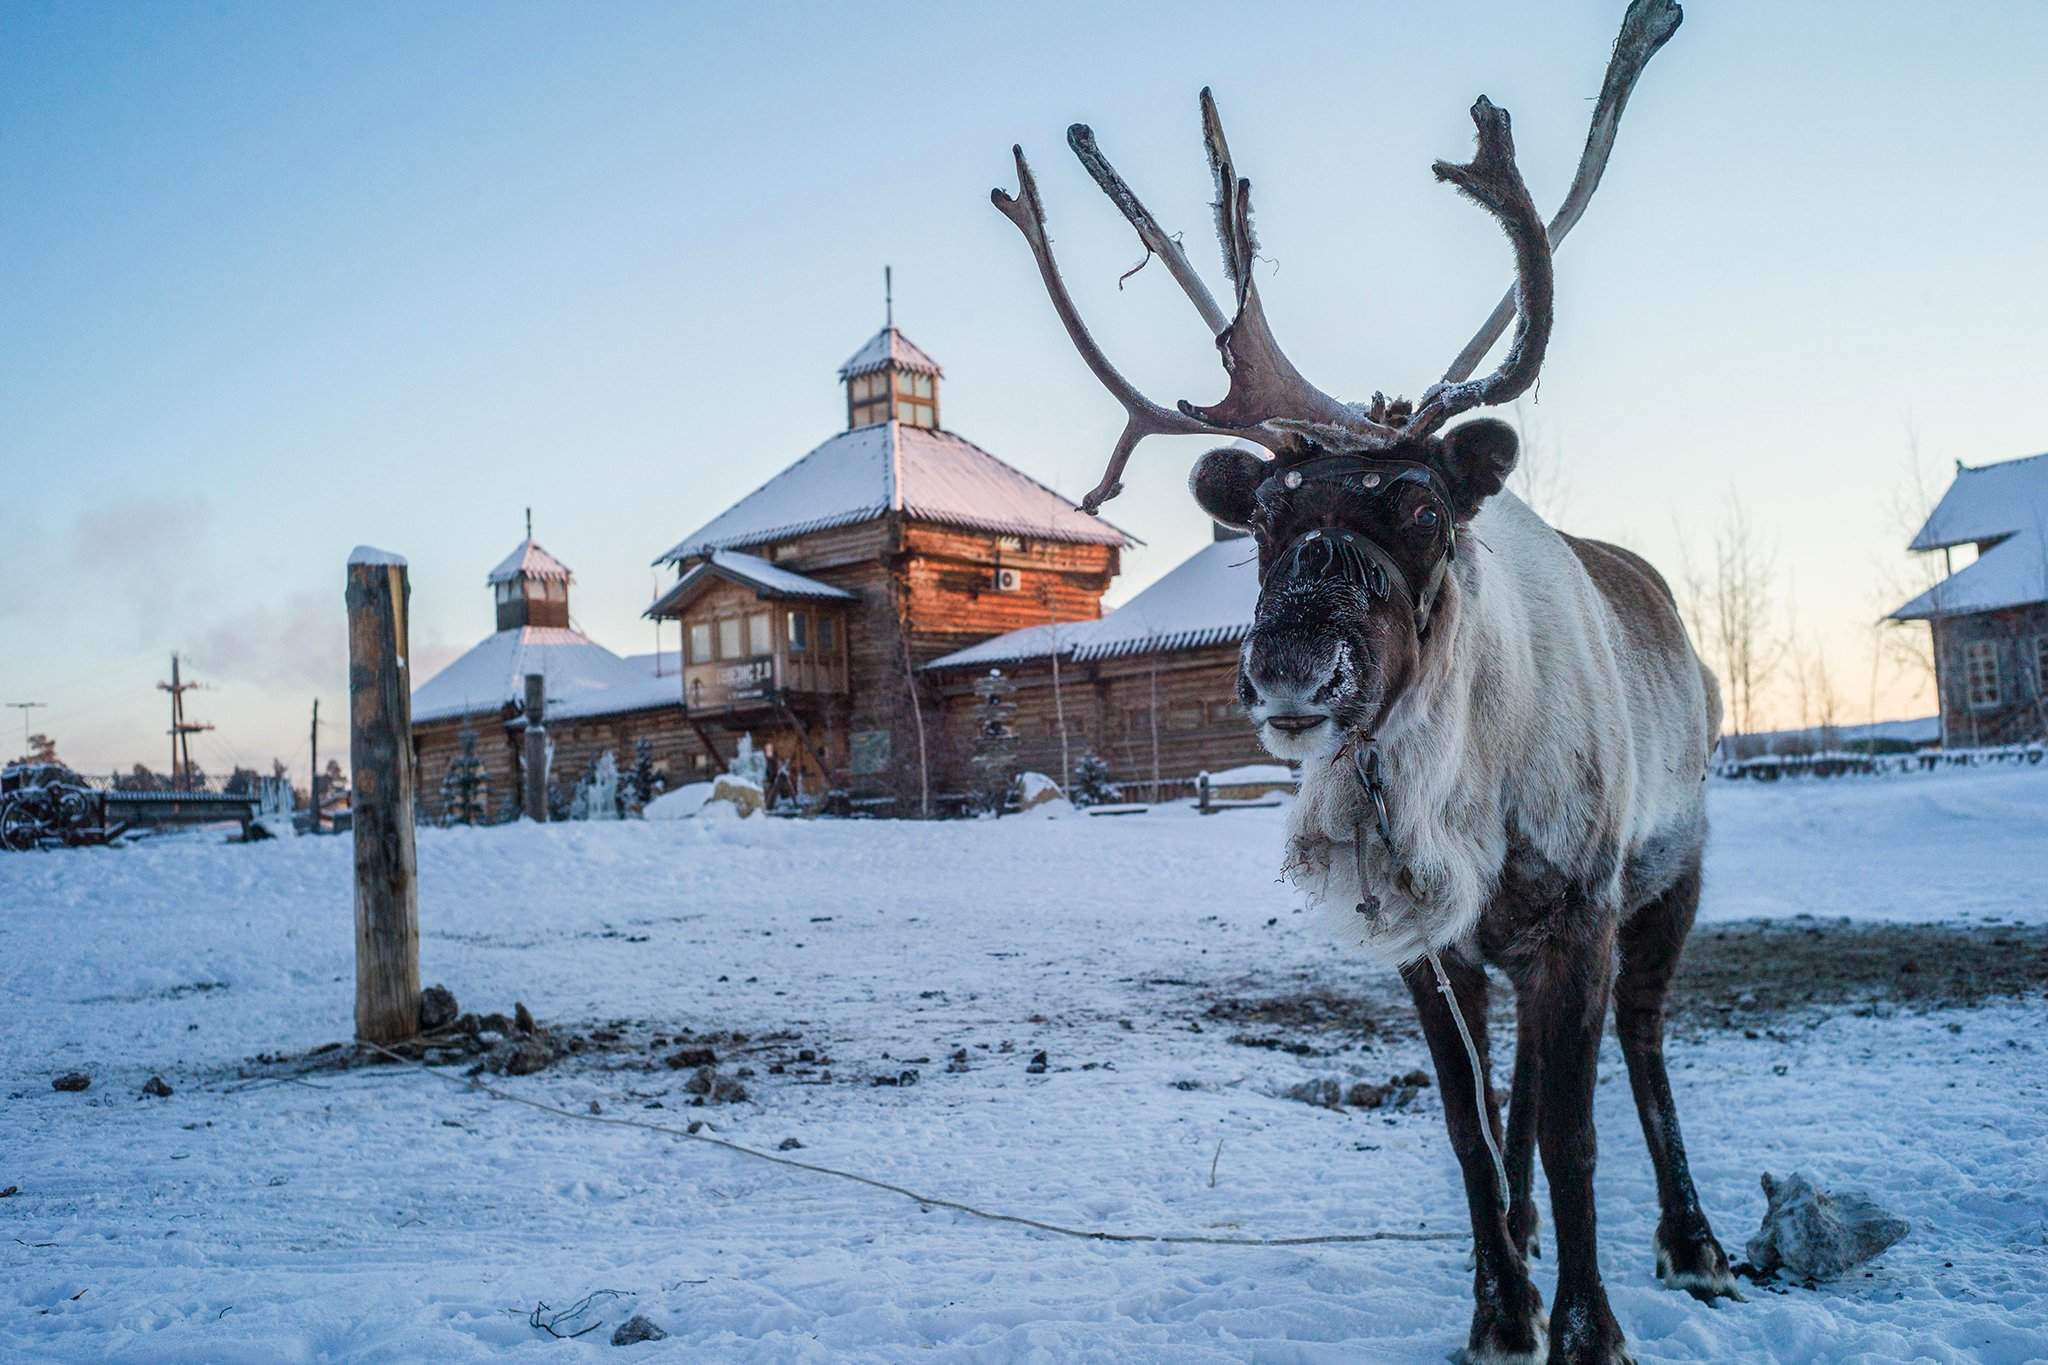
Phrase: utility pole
pixel 25 707
pixel 181 730
pixel 313 787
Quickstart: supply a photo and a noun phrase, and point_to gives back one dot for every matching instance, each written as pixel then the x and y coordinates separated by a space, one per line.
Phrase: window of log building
pixel 2041 665
pixel 799 632
pixel 700 643
pixel 916 404
pixel 760 634
pixel 1981 673
pixel 869 396
pixel 729 637
pixel 825 633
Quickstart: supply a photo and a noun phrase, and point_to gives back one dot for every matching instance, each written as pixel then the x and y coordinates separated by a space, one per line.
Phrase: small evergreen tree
pixel 995 739
pixel 641 784
pixel 1091 785
pixel 465 790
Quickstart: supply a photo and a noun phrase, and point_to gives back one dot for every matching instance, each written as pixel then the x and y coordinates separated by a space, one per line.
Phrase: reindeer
pixel 1503 729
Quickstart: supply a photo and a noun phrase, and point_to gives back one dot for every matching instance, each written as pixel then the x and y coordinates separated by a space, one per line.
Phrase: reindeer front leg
pixel 1563 988
pixel 1507 1314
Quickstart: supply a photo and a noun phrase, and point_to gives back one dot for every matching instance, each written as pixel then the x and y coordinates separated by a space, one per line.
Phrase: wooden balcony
pixel 761 682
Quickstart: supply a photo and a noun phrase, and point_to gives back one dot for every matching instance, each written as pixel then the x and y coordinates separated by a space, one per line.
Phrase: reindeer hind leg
pixel 1688 1255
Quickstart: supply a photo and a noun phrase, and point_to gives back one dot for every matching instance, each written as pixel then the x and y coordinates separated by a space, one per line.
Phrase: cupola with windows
pixel 891 380
pixel 530 586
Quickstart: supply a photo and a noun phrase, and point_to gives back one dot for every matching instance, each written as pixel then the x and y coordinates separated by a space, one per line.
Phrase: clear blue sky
pixel 279 279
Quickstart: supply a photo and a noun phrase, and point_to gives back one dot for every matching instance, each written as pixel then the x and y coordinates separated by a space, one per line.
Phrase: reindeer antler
pixel 1269 401
pixel 1493 181
pixel 1265 388
pixel 1144 417
pixel 1646 27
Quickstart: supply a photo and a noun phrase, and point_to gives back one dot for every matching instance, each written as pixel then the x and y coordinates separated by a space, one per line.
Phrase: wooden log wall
pixel 1108 707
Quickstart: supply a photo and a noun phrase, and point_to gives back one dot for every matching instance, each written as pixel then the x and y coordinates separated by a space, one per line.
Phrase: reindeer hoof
pixel 1696 1264
pixel 1506 1336
pixel 1583 1332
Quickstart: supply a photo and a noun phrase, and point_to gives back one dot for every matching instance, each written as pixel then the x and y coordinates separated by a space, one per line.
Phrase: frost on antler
pixel 1493 181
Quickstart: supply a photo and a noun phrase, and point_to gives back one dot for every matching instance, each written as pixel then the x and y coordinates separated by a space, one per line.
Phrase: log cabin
pixel 841 614
pixel 808 608
pixel 595 699
pixel 1150 687
pixel 1989 619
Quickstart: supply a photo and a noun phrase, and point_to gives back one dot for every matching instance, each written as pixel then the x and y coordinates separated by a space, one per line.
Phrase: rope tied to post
pixel 925 1200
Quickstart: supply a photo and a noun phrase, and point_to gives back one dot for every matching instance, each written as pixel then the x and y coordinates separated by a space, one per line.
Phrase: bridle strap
pixel 1361 475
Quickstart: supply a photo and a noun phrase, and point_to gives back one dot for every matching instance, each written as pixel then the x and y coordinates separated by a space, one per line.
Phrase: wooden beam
pixel 381 802
pixel 703 738
pixel 536 748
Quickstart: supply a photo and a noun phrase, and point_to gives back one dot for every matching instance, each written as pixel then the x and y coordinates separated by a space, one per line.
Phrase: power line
pixel 25 707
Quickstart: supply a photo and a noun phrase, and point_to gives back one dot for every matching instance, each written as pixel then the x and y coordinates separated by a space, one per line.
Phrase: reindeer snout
pixel 1292 706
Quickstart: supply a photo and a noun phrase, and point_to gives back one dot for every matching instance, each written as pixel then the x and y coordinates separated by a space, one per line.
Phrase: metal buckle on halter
pixel 1365 761
pixel 1359 474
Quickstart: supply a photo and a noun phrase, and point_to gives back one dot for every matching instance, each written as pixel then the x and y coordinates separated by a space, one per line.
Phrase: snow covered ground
pixel 381 1213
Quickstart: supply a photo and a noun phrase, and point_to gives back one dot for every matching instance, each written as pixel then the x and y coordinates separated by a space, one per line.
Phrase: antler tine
pixel 1493 181
pixel 1266 391
pixel 1081 138
pixel 1646 27
pixel 1144 417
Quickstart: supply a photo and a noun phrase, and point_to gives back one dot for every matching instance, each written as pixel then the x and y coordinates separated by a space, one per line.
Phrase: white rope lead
pixel 1500 1168
pixel 1084 1234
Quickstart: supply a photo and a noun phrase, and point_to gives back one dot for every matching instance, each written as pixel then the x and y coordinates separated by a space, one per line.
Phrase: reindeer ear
pixel 1476 460
pixel 1223 482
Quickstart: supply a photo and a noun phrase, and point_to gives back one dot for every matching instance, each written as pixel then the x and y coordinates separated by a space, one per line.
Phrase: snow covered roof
pixel 1986 502
pixel 889 347
pixel 2012 573
pixel 766 578
pixel 644 681
pixel 2006 503
pixel 583 677
pixel 528 560
pixel 871 471
pixel 1206 599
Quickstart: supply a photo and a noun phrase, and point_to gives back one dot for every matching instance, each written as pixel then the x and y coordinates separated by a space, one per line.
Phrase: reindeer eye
pixel 1426 518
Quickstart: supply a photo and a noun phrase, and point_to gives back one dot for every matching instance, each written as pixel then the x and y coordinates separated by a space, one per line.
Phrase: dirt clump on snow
pixel 635 1330
pixel 71 1080
pixel 1331 1092
pixel 437 1008
pixel 155 1088
pixel 1737 975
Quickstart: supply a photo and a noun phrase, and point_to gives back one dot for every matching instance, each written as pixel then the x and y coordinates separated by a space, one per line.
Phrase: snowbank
pixel 680 804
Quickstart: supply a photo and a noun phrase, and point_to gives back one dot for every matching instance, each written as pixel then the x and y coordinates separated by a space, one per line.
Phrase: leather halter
pixel 1356 557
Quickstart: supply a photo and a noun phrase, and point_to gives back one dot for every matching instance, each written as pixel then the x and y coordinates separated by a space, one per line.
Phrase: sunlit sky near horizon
pixel 278 280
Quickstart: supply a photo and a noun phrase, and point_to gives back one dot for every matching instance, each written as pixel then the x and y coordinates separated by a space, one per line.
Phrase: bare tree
pixel 1539 478
pixel 1729 604
pixel 1907 507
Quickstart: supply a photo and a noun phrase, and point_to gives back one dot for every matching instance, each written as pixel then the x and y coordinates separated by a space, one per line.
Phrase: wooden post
pixel 313 787
pixel 536 748
pixel 381 799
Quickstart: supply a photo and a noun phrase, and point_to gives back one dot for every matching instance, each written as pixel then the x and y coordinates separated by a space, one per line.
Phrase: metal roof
pixel 1206 599
pixel 528 560
pixel 767 579
pixel 870 471
pixel 889 347
pixel 1987 501
pixel 2005 507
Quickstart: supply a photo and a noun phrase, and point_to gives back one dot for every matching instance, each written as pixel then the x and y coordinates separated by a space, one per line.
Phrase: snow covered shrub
pixel 1091 785
pixel 465 789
